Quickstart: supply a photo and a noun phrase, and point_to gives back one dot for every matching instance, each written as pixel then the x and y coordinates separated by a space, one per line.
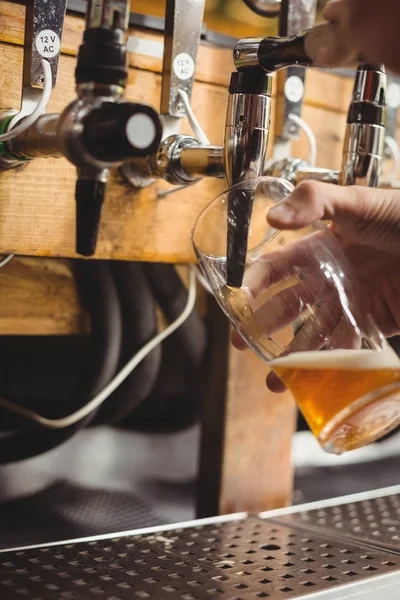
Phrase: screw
pixel 40 80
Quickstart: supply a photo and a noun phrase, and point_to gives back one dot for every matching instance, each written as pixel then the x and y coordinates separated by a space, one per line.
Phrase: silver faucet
pixel 364 143
pixel 98 130
pixel 182 160
pixel 363 147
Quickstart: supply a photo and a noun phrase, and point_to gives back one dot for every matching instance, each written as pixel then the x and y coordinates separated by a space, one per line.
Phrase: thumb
pixel 349 207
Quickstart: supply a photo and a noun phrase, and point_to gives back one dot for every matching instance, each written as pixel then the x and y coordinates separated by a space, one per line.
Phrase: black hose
pixel 171 296
pixel 139 317
pixel 99 296
pixel 175 401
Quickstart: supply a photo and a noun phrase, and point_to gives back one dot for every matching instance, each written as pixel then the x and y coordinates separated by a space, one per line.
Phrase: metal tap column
pixel 365 134
pixel 248 118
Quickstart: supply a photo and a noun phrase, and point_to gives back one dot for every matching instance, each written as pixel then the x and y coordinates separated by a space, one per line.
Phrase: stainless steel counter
pixel 348 548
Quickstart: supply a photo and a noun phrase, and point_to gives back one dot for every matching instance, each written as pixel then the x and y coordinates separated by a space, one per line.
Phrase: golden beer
pixel 343 394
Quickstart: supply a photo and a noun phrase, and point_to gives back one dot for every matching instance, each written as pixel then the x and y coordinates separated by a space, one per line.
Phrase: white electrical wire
pixel 394 149
pixel 6 259
pixel 312 142
pixel 118 379
pixel 201 136
pixel 40 107
pixel 194 124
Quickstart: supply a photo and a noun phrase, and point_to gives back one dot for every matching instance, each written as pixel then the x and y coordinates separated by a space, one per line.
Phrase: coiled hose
pixel 98 295
pixel 174 403
pixel 139 318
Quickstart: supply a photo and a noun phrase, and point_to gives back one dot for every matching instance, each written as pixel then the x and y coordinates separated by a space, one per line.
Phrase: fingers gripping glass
pixel 300 309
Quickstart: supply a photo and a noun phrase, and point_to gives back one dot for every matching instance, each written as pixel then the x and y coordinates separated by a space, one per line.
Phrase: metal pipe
pixel 314 174
pixel 203 161
pixel 40 140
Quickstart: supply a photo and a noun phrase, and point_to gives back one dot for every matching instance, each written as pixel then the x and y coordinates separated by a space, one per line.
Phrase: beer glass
pixel 302 309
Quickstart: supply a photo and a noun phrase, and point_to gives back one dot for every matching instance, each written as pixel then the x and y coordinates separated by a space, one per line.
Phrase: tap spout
pixel 247 127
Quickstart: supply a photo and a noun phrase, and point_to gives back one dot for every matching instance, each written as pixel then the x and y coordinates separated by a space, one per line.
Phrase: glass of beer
pixel 301 308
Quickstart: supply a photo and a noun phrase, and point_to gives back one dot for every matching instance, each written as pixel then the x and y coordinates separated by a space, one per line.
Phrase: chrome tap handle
pixel 271 53
pixel 248 118
pixel 365 133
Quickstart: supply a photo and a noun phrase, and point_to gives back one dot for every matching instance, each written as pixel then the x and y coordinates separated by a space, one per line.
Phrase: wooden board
pixel 38 297
pixel 245 459
pixel 37 207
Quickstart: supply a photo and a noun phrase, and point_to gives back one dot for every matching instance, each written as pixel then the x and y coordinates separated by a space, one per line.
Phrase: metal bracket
pixel 296 16
pixel 183 24
pixel 44 23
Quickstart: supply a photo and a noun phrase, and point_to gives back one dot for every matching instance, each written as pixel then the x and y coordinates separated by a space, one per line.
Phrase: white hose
pixel 6 259
pixel 312 142
pixel 194 124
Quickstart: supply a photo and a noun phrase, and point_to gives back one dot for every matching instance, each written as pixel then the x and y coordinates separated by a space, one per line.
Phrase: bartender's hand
pixel 366 223
pixel 365 27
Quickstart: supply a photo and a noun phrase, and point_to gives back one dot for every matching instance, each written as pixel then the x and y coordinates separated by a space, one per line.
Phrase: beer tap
pixel 98 130
pixel 182 159
pixel 363 147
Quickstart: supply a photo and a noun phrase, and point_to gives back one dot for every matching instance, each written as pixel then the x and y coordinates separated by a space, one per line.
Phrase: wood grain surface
pixel 37 206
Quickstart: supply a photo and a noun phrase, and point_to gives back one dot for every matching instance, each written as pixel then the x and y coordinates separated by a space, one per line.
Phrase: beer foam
pixel 340 359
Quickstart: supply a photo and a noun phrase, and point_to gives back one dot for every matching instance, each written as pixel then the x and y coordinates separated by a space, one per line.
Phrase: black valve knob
pixel 118 132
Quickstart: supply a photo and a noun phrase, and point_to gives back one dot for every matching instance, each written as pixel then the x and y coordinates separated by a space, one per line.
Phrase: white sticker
pixel 183 66
pixel 294 89
pixel 48 43
pixel 140 131
pixel 393 95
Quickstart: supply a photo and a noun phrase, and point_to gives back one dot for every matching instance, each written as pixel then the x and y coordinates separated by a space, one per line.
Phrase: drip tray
pixel 231 558
pixel 375 521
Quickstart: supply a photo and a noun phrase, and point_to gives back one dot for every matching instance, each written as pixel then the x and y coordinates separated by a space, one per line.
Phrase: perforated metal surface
pixel 237 560
pixel 374 520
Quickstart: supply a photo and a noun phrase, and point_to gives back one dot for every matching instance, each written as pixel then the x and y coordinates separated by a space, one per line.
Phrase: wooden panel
pixel 245 461
pixel 37 207
pixel 257 473
pixel 38 297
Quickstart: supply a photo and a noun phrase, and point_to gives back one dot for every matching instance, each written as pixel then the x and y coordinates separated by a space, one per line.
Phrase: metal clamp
pixel 296 16
pixel 44 23
pixel 183 22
